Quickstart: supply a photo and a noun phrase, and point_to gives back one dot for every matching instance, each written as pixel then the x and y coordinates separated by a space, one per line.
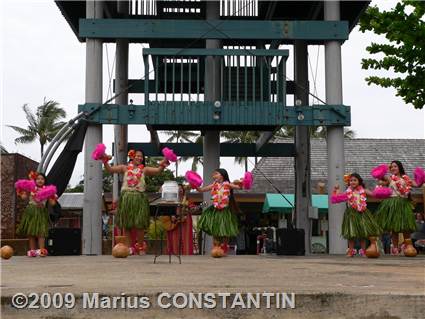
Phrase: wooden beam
pixel 263 140
pixel 137 30
pixel 226 149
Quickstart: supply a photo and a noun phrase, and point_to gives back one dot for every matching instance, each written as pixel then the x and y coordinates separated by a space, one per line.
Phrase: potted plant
pixel 156 237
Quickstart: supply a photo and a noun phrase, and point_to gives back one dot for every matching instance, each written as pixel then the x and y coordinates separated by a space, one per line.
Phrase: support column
pixel 211 145
pixel 92 210
pixel 335 134
pixel 302 145
pixel 121 83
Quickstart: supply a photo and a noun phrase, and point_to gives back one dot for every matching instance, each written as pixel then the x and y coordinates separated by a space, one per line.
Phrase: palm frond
pixel 3 149
pixel 51 110
pixel 43 125
pixel 30 116
pixel 25 139
pixel 350 134
pixel 20 130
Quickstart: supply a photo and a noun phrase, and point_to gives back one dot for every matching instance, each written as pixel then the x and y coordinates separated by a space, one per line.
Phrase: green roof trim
pixel 276 203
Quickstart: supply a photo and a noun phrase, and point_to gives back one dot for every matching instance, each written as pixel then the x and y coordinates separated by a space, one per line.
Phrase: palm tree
pixel 3 149
pixel 43 125
pixel 196 159
pixel 180 137
pixel 285 132
pixel 320 132
pixel 241 137
pixel 315 132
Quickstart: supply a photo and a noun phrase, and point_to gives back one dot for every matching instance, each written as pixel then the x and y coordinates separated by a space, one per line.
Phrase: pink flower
pixel 169 154
pixel 45 193
pixel 419 175
pixel 99 152
pixel 193 179
pixel 380 171
pixel 382 192
pixel 339 198
pixel 248 180
pixel 25 185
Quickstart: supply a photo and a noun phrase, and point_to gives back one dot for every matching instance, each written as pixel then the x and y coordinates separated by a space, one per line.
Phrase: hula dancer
pixel 395 214
pixel 219 220
pixel 35 220
pixel 358 222
pixel 133 207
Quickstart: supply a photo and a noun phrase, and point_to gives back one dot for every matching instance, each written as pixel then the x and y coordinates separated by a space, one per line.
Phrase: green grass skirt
pixel 35 221
pixel 219 223
pixel 133 210
pixel 395 214
pixel 359 225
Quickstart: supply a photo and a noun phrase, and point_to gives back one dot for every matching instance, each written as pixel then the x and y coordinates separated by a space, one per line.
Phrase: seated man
pixel 418 237
pixel 171 225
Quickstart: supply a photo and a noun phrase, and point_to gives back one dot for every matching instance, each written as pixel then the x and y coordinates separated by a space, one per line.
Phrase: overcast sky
pixel 41 57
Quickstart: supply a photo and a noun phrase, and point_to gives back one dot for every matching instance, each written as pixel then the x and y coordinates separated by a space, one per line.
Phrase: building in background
pixel 13 167
pixel 361 155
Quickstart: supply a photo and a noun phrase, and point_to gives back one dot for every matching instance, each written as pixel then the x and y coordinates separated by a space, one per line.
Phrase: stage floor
pixel 392 286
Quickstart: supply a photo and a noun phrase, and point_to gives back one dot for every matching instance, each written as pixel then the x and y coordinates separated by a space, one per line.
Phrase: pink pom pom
pixel 193 179
pixel 339 198
pixel 25 185
pixel 379 171
pixel 247 180
pixel 382 192
pixel 169 154
pixel 419 175
pixel 45 193
pixel 99 152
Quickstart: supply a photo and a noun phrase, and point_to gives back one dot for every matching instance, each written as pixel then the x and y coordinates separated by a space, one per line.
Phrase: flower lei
pixel 403 184
pixel 357 198
pixel 134 178
pixel 220 194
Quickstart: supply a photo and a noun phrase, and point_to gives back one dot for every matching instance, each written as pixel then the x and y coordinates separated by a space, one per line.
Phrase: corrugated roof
pixel 361 155
pixel 72 200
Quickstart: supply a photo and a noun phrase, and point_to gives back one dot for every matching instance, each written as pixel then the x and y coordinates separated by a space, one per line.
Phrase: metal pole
pixel 55 147
pixel 211 145
pixel 58 135
pixel 302 145
pixel 92 210
pixel 335 134
pixel 121 83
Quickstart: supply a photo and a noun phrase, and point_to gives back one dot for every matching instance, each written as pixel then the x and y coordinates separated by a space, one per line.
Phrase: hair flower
pixel 131 154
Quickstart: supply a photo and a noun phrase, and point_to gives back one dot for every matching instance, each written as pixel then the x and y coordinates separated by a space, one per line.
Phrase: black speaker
pixel 290 242
pixel 64 241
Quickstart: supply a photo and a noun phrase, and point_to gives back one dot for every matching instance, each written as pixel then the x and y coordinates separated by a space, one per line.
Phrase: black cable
pixel 270 182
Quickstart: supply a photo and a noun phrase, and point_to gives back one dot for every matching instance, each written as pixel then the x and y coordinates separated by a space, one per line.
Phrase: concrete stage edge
pixel 325 286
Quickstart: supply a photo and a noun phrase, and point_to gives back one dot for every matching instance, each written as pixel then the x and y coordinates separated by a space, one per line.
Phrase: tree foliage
pixel 3 150
pixel 186 137
pixel 153 183
pixel 404 51
pixel 107 181
pixel 182 137
pixel 241 137
pixel 43 125
pixel 315 132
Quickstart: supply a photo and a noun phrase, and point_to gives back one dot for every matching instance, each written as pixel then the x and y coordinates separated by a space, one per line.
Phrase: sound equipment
pixel 290 242
pixel 64 241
